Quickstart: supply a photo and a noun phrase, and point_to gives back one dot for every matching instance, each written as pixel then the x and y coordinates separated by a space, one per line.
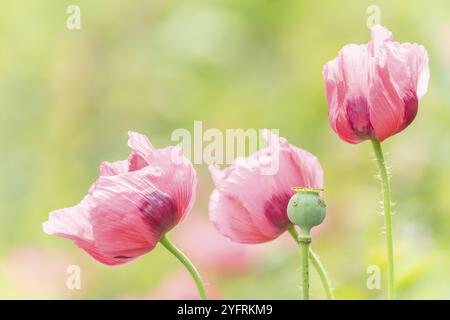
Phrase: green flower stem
pixel 322 274
pixel 304 244
pixel 187 263
pixel 387 216
pixel 326 284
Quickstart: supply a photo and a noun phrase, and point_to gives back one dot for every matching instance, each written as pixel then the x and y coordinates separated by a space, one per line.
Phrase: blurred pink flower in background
pixel 176 286
pixel 373 90
pixel 40 273
pixel 179 286
pixel 212 252
pixel 131 205
pixel 250 207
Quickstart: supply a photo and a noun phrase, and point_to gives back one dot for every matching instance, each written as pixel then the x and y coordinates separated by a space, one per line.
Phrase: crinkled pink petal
pixel 178 177
pixel 386 106
pixel 172 163
pixel 233 220
pixel 71 222
pixel 401 80
pixel 379 35
pixel 141 148
pixel 347 78
pixel 113 168
pixel 111 222
pixel 354 65
pixel 139 143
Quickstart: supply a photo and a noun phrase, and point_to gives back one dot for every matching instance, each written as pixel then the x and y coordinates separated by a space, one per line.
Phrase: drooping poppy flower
pixel 249 206
pixel 373 90
pixel 131 205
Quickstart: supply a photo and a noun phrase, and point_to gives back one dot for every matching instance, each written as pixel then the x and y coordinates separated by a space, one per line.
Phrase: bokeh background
pixel 68 98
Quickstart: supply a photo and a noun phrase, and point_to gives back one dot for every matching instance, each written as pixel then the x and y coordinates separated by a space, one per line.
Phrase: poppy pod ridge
pixel 131 206
pixel 249 206
pixel 373 92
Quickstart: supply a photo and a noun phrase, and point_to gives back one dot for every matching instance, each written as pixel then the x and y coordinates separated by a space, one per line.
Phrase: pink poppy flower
pixel 373 90
pixel 249 206
pixel 131 205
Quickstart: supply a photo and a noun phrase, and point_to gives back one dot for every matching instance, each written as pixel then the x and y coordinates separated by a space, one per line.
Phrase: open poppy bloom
pixel 131 205
pixel 248 206
pixel 373 90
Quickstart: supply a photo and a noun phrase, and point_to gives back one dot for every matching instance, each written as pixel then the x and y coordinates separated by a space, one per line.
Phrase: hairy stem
pixel 384 175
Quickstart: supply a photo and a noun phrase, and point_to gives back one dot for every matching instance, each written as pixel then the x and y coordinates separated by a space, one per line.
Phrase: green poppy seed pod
pixel 306 209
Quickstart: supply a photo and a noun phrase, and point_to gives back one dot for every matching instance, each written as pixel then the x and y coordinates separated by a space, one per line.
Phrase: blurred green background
pixel 68 98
